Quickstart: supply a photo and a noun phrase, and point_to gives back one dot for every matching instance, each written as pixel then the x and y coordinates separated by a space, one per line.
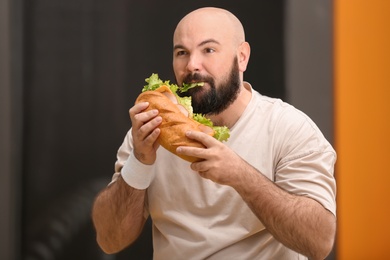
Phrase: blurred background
pixel 70 70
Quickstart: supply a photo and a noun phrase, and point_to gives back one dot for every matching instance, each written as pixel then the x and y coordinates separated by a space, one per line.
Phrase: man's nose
pixel 194 63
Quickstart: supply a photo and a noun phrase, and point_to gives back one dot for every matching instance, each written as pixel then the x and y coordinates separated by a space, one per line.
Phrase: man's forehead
pixel 200 33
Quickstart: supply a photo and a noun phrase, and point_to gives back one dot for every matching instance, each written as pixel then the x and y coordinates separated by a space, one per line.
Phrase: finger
pixel 201 137
pixel 198 167
pixel 148 130
pixel 152 138
pixel 144 117
pixel 192 151
pixel 138 108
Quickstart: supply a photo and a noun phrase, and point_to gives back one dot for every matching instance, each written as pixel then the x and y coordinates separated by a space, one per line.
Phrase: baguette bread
pixel 174 123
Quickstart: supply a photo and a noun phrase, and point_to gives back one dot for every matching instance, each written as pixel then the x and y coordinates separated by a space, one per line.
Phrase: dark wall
pixel 85 62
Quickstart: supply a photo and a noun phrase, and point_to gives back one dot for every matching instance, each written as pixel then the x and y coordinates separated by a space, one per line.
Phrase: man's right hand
pixel 145 132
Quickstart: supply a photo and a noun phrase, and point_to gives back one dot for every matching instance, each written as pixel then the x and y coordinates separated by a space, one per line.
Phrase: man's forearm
pixel 118 216
pixel 298 222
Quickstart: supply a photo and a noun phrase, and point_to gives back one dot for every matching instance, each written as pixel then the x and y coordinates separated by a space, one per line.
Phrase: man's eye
pixel 209 50
pixel 181 53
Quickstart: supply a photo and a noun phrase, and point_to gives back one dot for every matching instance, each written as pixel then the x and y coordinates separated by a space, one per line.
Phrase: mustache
pixel 196 77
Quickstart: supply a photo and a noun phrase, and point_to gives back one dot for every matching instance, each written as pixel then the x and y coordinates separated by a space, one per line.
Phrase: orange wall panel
pixel 362 127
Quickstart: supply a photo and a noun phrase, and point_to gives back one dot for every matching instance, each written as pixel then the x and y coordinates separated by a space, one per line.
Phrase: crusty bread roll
pixel 174 123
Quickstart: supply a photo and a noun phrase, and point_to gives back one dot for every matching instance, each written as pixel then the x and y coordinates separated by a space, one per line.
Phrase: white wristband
pixel 137 174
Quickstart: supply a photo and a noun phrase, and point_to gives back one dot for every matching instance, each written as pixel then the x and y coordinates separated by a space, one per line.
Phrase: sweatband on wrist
pixel 137 174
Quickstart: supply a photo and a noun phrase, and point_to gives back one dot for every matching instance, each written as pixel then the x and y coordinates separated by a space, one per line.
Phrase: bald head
pixel 214 21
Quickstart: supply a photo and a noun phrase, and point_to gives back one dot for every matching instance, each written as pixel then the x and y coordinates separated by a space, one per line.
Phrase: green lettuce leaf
pixel 186 86
pixel 154 82
pixel 221 133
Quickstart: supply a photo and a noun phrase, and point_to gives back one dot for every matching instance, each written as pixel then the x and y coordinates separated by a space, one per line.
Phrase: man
pixel 266 193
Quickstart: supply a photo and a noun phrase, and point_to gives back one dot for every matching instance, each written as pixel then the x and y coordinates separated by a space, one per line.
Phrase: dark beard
pixel 215 100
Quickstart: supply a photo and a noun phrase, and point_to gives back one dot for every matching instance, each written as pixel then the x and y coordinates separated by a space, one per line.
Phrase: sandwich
pixel 177 115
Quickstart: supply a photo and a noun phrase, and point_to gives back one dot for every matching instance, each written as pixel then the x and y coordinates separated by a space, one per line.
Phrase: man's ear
pixel 244 51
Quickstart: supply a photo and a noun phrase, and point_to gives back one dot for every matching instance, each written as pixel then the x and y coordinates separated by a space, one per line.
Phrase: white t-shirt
pixel 195 218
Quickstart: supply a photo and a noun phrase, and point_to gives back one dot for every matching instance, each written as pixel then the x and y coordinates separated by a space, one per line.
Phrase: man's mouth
pixel 197 83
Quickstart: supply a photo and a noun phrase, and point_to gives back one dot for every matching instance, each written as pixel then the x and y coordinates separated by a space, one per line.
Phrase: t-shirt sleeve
pixel 122 155
pixel 306 163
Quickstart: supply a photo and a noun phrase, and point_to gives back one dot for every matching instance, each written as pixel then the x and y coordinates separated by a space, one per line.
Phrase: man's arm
pixel 118 216
pixel 298 222
pixel 118 211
